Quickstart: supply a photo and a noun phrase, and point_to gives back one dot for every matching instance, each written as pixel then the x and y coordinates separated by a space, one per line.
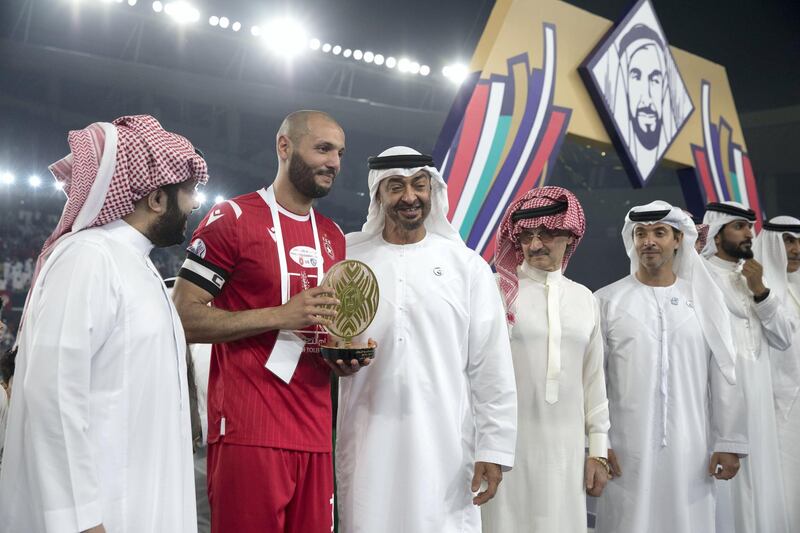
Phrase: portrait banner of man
pixel 638 90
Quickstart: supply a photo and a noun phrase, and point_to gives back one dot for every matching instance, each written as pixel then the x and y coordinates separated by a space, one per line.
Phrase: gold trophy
pixel 356 288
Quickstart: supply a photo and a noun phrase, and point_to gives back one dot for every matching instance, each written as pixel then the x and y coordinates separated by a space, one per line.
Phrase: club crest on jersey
pixel 198 248
pixel 304 256
pixel 326 243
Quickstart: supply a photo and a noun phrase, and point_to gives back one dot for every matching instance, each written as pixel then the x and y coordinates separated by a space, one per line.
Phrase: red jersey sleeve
pixel 214 248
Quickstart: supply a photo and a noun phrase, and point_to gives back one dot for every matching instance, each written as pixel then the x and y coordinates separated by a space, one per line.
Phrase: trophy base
pixel 347 353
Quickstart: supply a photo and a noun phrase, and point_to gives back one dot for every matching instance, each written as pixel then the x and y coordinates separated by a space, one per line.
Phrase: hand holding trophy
pixel 356 288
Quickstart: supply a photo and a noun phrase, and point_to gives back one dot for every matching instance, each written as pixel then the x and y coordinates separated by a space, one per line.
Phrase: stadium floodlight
pixel 424 70
pixel 200 197
pixel 286 37
pixel 7 178
pixel 182 12
pixel 255 31
pixel 357 55
pixel 347 52
pixel 403 65
pixel 218 199
pixel 326 47
pixel 457 72
pixel 379 59
pixel 314 44
pixel 34 181
pixel 391 62
pixel 224 22
pixel 132 2
pixel 413 67
pixel 158 7
pixel 236 26
pixel 213 20
pixel 369 57
pixel 337 50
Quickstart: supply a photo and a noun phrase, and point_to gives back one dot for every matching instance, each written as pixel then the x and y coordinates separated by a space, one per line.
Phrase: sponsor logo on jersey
pixel 214 216
pixel 198 248
pixel 326 243
pixel 304 256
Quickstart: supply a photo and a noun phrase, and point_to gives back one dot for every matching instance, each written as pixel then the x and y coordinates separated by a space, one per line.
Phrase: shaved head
pixel 296 125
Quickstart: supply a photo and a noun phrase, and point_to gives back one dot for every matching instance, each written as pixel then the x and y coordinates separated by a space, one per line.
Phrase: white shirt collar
pixel 542 276
pixel 121 231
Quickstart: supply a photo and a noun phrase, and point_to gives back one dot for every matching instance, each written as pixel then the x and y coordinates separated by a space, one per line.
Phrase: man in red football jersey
pixel 258 259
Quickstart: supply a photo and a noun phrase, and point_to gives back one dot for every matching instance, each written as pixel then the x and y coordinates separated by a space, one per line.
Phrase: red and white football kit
pixel 270 466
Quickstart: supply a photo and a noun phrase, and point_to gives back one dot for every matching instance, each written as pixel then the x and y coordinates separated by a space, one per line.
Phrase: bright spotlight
pixel 255 31
pixel 58 186
pixel 456 72
pixel 347 52
pixel 236 26
pixel 404 65
pixel 337 50
pixel 213 20
pixel 314 44
pixel 326 47
pixel 391 62
pixel 379 59
pixel 413 67
pixel 285 37
pixel 7 178
pixel 200 197
pixel 158 7
pixel 424 70
pixel 224 22
pixel 357 55
pixel 132 2
pixel 182 12
pixel 368 57
pixel 218 199
pixel 35 181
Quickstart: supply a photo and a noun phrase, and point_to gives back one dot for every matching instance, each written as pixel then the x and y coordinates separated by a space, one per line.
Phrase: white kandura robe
pixel 753 502
pixel 785 372
pixel 99 428
pixel 438 396
pixel 545 492
pixel 671 407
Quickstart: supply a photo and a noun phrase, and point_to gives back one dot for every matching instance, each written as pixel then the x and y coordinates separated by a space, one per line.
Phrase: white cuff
pixel 73 519
pixel 598 445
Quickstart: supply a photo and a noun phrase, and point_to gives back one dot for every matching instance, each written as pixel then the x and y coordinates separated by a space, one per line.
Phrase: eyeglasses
pixel 544 235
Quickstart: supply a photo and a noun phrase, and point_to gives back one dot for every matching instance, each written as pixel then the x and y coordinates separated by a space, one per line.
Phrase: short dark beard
pixel 410 225
pixel 170 228
pixel 301 174
pixel 735 250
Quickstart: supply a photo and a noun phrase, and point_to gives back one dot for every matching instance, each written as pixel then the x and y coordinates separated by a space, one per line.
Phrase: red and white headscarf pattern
pixel 111 167
pixel 508 251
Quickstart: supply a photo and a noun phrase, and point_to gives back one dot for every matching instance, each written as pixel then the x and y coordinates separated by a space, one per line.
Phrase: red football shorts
pixel 269 490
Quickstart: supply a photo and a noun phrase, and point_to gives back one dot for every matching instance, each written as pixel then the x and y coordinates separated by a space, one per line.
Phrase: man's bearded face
pixel 407 200
pixel 170 228
pixel 646 93
pixel 736 239
pixel 304 177
pixel 792 252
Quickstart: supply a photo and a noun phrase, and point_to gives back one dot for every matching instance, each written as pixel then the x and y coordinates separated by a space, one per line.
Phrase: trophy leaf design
pixel 357 291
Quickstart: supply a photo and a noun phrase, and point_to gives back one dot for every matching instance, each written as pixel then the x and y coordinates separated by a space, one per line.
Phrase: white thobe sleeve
pixel 74 316
pixel 595 401
pixel 778 325
pixel 490 371
pixel 728 413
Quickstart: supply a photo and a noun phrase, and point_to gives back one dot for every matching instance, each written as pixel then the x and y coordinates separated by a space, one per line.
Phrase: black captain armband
pixel 205 275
